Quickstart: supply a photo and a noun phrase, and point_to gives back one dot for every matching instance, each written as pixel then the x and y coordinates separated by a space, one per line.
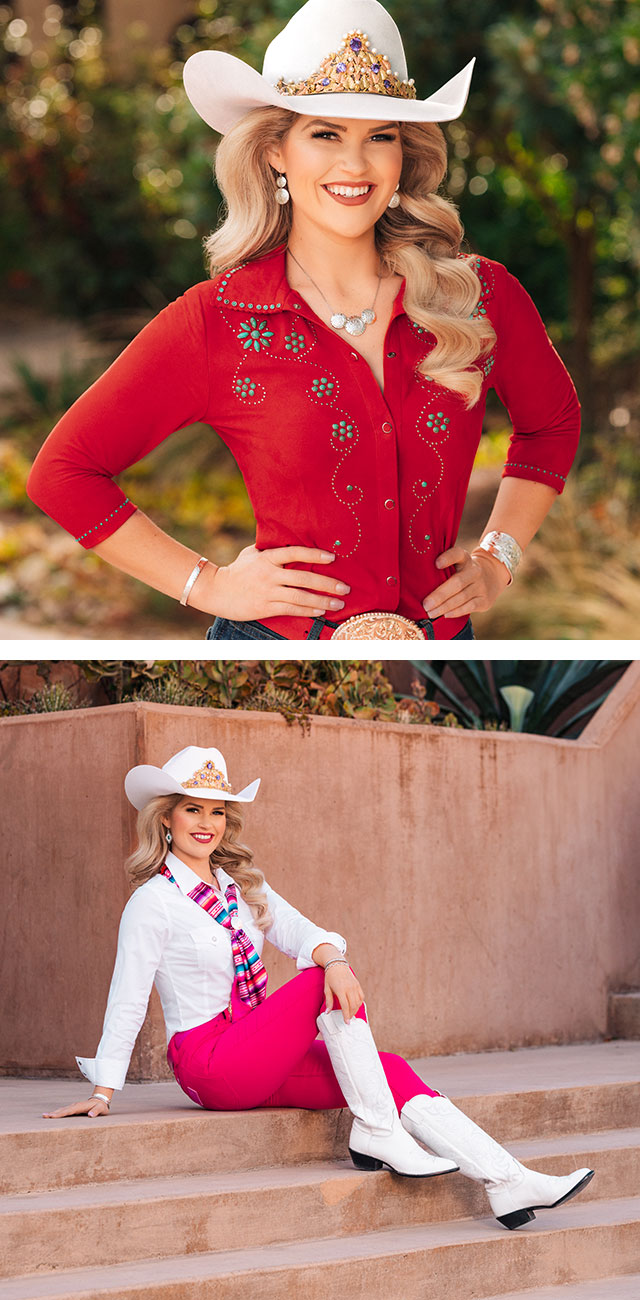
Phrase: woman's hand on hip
pixel 257 585
pixel 341 984
pixel 93 1107
pixel 476 584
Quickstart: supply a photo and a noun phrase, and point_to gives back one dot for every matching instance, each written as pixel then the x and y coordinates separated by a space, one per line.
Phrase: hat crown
pixel 318 29
pixel 188 764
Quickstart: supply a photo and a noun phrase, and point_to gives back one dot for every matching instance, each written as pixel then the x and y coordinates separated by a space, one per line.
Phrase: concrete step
pixel 606 1288
pixel 150 1218
pixel 624 1014
pixel 466 1259
pixel 155 1130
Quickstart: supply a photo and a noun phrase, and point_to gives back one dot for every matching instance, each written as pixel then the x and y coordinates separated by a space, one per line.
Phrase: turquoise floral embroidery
pixel 294 342
pixel 323 387
pixel 244 386
pixel 254 335
pixel 342 430
pixel 433 428
pixel 346 431
pixel 436 422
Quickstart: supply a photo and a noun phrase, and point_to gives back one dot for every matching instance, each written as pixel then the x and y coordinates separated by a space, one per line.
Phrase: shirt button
pixel 391 581
pixel 387 428
pixel 392 354
pixel 355 356
pixel 389 504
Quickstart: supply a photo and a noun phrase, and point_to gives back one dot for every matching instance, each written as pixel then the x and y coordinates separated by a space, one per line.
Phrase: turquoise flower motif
pixel 254 335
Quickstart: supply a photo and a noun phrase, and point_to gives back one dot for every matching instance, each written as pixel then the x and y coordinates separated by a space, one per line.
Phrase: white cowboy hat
pixel 202 770
pixel 342 58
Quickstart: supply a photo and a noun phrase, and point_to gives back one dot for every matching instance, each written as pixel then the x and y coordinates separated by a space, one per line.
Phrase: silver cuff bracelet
pixel 505 548
pixel 193 578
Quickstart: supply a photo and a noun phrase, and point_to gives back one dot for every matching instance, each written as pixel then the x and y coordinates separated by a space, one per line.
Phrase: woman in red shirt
pixel 343 349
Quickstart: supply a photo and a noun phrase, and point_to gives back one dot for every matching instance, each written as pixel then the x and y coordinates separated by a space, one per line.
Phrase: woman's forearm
pixel 257 584
pixel 144 551
pixel 107 1092
pixel 519 508
pixel 326 952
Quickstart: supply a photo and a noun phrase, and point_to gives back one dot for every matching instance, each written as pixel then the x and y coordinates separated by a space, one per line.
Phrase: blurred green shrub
pixel 107 185
pixel 54 697
pixel 296 689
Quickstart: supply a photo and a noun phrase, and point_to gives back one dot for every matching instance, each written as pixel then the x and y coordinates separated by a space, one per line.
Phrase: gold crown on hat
pixel 207 776
pixel 355 68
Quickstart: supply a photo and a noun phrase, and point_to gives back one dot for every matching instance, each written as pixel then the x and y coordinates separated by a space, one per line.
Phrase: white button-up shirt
pixel 167 938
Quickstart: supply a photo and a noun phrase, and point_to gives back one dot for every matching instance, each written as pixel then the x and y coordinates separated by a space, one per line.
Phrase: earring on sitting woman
pixel 282 193
pixel 394 201
pixel 168 837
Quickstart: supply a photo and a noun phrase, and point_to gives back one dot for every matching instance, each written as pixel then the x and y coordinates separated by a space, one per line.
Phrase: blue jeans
pixel 225 629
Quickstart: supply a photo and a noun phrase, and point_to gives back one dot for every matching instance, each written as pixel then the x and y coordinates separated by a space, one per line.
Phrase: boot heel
pixel 364 1162
pixel 516 1218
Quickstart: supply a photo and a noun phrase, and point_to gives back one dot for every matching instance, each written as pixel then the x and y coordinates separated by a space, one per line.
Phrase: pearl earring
pixel 282 193
pixel 168 837
pixel 395 198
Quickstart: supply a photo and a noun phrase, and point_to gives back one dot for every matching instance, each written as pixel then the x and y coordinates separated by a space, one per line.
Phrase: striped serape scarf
pixel 250 975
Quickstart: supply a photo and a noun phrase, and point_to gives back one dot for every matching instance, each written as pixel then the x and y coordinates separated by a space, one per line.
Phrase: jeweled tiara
pixel 354 69
pixel 207 776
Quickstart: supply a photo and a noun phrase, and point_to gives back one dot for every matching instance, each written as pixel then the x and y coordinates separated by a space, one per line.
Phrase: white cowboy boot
pixel 514 1191
pixel 377 1136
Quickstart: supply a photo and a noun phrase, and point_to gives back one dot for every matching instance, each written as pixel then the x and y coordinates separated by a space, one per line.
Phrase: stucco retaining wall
pixel 487 883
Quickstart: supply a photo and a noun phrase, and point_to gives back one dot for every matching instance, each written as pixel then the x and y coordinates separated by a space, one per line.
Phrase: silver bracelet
pixel 505 548
pixel 193 578
pixel 335 961
pixel 99 1096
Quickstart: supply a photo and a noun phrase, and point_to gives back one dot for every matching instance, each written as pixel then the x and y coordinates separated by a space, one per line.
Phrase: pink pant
pixel 268 1057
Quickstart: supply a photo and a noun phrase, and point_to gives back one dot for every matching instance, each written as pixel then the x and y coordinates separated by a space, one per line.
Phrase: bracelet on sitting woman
pixel 337 961
pixel 99 1096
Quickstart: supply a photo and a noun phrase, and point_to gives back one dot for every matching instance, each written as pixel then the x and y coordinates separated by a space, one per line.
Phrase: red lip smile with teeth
pixel 355 194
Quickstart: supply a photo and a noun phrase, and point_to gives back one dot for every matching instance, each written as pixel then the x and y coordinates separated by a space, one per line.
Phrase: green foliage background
pixel 106 175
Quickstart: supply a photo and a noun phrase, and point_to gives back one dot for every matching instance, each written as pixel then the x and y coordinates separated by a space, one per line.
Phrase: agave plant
pixel 549 697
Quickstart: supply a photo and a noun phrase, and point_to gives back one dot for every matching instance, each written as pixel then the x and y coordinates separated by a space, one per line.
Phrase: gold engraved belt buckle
pixel 378 626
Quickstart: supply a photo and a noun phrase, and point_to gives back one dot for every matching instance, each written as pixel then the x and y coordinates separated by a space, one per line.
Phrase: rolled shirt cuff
pixel 103 1071
pixel 305 960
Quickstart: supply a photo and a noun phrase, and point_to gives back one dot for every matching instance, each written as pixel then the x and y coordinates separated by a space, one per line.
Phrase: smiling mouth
pixel 349 191
pixel 202 837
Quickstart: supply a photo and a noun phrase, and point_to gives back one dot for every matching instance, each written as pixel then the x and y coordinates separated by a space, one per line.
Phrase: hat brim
pixel 145 782
pixel 223 89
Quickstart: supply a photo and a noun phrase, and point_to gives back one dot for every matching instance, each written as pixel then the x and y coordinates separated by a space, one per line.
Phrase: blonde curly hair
pixel 419 240
pixel 234 858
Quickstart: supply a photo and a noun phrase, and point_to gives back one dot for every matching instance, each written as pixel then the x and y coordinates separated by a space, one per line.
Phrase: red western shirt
pixel 329 460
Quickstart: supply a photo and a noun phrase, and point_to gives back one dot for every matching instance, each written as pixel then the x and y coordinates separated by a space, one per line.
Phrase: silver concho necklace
pixel 352 324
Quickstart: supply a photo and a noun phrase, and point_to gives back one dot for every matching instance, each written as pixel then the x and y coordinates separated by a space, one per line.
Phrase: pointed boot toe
pixel 514 1205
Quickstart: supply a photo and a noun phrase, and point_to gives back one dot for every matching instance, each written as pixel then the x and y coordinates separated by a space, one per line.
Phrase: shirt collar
pixel 258 285
pixel 186 879
pixel 262 285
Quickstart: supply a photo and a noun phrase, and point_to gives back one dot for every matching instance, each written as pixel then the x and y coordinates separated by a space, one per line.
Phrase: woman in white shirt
pixel 195 926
